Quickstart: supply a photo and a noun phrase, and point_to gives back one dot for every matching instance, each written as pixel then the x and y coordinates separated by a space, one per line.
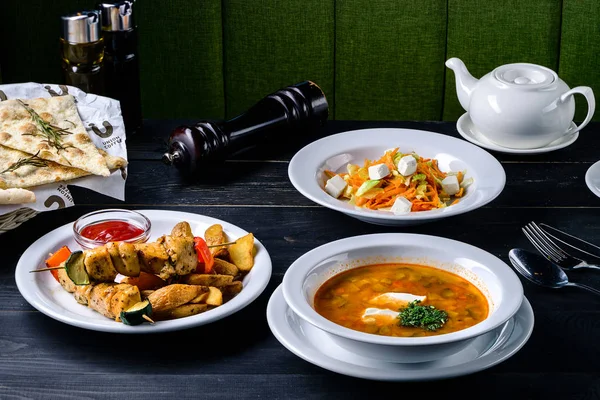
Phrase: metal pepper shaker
pixel 82 51
pixel 121 60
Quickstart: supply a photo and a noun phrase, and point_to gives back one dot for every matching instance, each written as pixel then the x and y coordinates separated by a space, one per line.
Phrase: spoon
pixel 541 271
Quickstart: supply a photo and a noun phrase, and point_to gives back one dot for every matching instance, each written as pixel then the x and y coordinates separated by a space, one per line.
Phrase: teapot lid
pixel 526 76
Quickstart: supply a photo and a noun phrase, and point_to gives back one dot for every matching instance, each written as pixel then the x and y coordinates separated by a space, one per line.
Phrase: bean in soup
pixel 369 298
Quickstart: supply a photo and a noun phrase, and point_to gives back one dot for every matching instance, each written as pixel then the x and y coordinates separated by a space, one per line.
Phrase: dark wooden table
pixel 238 357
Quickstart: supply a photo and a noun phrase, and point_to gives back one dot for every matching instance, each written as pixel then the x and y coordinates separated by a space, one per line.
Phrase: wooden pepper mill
pixel 300 107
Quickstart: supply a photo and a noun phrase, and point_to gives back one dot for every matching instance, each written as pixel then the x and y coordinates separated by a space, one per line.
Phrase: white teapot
pixel 521 105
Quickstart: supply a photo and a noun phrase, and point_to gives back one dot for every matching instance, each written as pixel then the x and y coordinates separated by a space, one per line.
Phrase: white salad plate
pixel 335 152
pixel 316 346
pixel 45 294
pixel 469 132
pixel 592 178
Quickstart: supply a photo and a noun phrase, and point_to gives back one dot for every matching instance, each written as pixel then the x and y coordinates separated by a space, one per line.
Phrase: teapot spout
pixel 465 82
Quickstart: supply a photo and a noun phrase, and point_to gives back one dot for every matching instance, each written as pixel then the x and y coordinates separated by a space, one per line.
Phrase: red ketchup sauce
pixel 111 231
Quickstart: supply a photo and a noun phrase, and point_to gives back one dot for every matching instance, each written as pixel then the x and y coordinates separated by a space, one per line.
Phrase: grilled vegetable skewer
pixel 109 299
pixel 129 259
pixel 170 255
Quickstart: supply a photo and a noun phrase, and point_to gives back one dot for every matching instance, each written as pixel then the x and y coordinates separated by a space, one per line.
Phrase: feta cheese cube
pixel 401 206
pixel 450 185
pixel 335 186
pixel 378 171
pixel 407 165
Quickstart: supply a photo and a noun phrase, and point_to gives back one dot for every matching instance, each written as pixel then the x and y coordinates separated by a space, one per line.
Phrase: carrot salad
pixel 423 187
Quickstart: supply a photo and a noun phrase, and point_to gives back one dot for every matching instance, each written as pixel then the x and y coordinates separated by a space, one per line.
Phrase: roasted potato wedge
pixel 232 288
pixel 183 230
pixel 207 279
pixel 223 267
pixel 201 298
pixel 215 297
pixel 172 296
pixel 185 310
pixel 242 252
pixel 215 235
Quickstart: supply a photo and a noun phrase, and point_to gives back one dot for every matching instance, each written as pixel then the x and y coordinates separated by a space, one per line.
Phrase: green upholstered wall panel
pixel 580 49
pixel 274 43
pixel 486 34
pixel 375 59
pixel 181 56
pixel 390 59
pixel 30 31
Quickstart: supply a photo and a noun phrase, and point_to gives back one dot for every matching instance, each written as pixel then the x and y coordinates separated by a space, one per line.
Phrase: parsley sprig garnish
pixel 33 160
pixel 52 133
pixel 425 317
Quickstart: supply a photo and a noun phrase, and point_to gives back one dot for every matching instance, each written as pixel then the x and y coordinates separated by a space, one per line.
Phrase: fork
pixel 549 249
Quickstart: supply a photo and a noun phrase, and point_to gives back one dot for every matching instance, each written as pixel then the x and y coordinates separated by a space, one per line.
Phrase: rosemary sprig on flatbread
pixel 33 160
pixel 52 133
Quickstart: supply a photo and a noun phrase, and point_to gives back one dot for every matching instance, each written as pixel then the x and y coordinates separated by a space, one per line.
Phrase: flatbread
pixel 28 176
pixel 16 196
pixel 18 130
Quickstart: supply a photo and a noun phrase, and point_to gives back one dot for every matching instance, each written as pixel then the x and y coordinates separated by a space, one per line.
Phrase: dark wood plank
pixel 152 143
pixel 110 386
pixel 244 339
pixel 243 183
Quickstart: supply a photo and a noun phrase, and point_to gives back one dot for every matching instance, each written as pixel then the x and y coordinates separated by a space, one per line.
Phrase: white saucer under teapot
pixel 520 106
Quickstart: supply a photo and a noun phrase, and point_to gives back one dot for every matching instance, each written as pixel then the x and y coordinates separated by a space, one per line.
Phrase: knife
pixel 573 242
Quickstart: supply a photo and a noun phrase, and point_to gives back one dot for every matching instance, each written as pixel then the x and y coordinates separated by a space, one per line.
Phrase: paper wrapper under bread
pixel 103 121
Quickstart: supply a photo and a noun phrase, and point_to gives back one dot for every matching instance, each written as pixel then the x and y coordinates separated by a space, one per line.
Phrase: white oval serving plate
pixel 315 346
pixel 45 294
pixel 306 169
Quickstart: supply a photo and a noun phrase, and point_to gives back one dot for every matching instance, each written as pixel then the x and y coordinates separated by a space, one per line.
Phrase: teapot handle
pixel 587 92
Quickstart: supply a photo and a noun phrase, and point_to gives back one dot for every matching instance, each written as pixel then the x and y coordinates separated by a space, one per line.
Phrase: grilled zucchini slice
pixel 76 269
pixel 137 314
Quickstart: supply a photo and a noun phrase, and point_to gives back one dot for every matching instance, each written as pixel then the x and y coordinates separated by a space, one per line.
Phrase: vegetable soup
pixel 403 300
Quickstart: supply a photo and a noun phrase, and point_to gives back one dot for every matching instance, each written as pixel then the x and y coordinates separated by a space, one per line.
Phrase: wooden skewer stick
pixel 147 318
pixel 222 244
pixel 47 269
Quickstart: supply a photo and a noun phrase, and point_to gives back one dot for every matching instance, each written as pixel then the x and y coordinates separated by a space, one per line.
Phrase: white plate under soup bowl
pixel 335 152
pixel 496 280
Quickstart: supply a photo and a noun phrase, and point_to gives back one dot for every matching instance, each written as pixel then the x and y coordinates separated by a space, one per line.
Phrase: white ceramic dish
pixel 469 132
pixel 335 152
pixel 317 347
pixel 592 178
pixel 497 281
pixel 46 295
pixel 520 105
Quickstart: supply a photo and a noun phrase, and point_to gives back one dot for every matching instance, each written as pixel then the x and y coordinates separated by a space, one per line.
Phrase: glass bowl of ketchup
pixel 112 225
